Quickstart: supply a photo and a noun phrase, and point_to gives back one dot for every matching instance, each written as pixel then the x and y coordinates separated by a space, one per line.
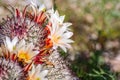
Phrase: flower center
pixel 55 38
pixel 38 79
pixel 24 55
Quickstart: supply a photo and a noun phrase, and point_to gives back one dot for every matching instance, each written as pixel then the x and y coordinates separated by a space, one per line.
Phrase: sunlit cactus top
pixel 27 37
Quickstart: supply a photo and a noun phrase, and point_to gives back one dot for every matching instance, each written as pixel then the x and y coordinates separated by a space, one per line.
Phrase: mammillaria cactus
pixel 30 40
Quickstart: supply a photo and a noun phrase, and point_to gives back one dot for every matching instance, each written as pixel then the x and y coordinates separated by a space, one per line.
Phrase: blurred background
pixel 96 26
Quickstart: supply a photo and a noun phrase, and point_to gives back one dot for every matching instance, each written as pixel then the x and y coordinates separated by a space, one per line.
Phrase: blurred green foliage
pixel 95 23
pixel 92 68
